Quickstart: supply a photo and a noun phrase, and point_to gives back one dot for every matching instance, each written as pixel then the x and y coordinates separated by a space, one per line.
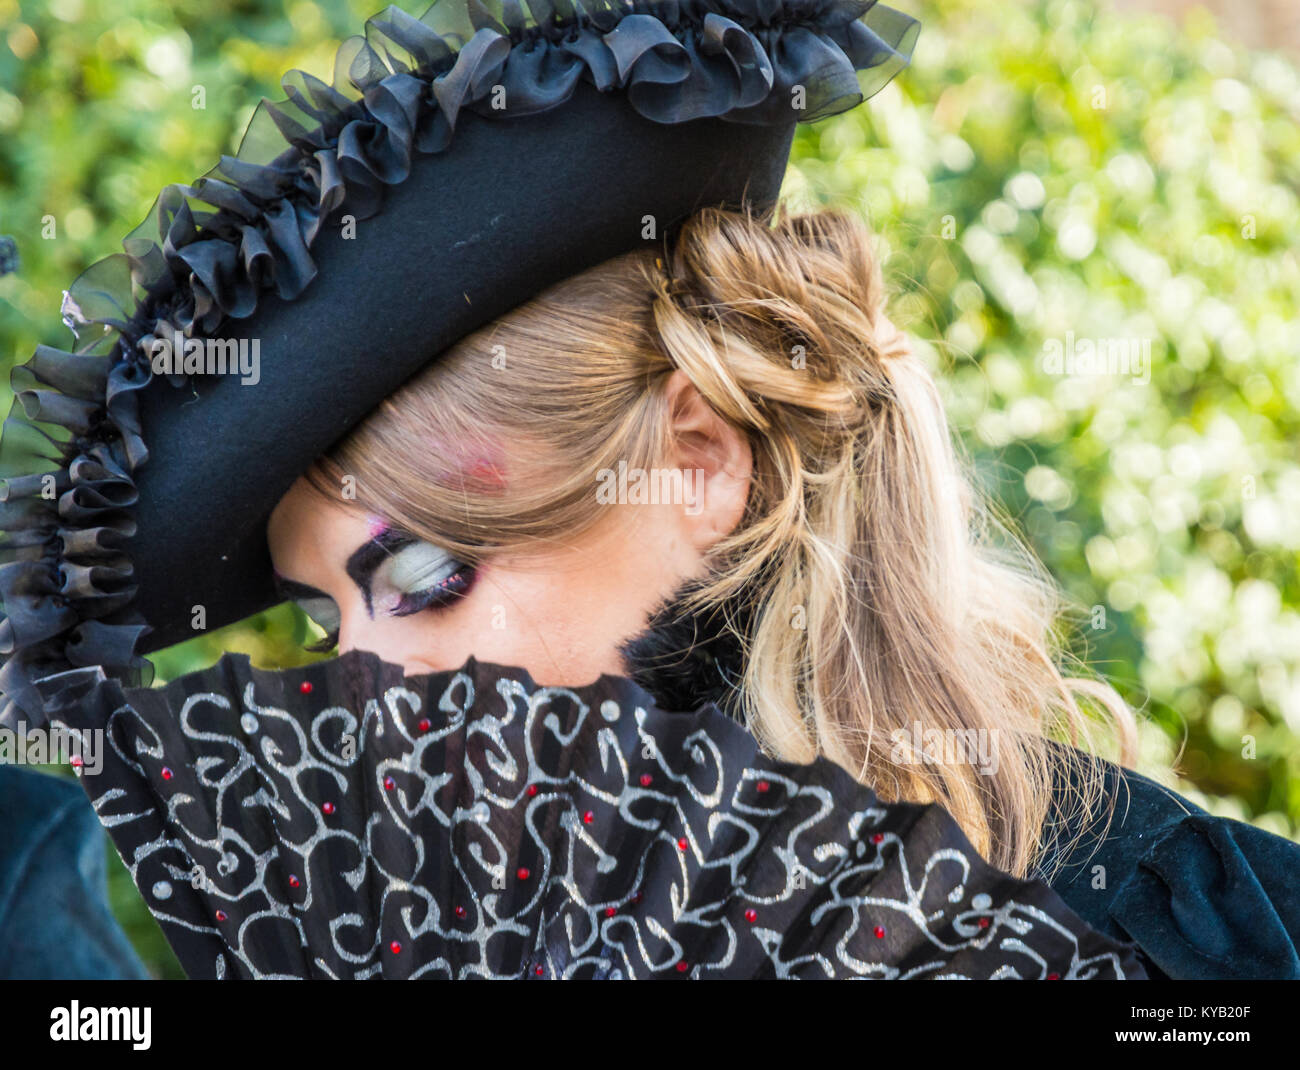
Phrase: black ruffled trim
pixel 209 251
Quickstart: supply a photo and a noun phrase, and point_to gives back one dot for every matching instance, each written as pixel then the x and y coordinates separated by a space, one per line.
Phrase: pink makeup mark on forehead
pixel 478 463
pixel 376 526
pixel 487 472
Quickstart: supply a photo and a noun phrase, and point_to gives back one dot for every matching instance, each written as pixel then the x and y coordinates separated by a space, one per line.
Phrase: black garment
pixel 1203 897
pixel 54 916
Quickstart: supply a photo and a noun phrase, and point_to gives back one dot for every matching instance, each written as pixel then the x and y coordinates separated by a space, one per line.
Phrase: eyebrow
pixel 292 590
pixel 370 555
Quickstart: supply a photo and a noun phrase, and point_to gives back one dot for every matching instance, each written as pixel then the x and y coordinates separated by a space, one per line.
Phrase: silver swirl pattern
pixel 347 821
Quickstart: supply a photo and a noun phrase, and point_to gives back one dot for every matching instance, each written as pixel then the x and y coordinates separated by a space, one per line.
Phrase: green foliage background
pixel 1043 169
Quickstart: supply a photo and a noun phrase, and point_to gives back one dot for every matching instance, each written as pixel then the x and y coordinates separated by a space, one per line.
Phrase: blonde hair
pixel 887 603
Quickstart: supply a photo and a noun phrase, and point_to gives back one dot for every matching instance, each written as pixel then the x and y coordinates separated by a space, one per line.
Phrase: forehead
pixel 311 537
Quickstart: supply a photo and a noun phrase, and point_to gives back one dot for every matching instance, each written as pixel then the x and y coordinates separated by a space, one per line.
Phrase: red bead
pixel 683 843
pixel 762 785
pixel 389 783
pixel 75 762
pixel 166 773
pixel 425 724
pixel 1053 976
pixel 395 948
pixel 984 923
pixel 327 808
pixel 293 881
pixel 588 818
pixel 532 790
pixel 221 915
pixel 610 912
pixel 682 967
pixel 877 837
pixel 523 873
pixel 880 932
pixel 305 687
pixel 646 780
pixel 539 971
pixel 460 912
pixel 751 915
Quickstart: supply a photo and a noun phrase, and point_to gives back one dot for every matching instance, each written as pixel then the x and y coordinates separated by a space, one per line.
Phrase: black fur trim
pixel 688 658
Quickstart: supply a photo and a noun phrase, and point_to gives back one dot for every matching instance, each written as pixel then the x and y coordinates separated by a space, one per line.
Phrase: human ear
pixel 716 463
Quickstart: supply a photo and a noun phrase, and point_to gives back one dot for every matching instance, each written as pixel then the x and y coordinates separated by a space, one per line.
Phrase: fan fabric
pixel 348 821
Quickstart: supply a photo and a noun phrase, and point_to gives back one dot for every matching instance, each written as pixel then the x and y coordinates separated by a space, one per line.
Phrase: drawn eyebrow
pixel 363 562
pixel 293 591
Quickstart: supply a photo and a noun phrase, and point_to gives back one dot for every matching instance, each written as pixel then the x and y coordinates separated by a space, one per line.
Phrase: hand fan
pixel 346 821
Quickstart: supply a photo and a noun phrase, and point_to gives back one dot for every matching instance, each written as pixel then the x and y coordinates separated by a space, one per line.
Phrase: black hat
pixel 458 165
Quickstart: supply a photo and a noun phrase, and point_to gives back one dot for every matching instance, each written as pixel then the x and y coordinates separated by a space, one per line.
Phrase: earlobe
pixel 716 463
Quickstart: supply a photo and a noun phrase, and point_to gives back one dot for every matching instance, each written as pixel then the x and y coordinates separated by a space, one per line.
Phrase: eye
pixel 322 610
pixel 418 576
pixel 324 613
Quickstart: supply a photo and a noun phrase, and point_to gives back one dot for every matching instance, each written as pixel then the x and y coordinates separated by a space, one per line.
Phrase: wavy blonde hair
pixel 887 601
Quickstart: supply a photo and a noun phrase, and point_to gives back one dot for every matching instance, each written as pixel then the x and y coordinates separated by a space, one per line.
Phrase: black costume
pixel 344 820
pixel 1202 897
pixel 54 916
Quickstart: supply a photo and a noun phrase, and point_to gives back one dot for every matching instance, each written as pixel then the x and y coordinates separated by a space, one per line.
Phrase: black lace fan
pixel 345 820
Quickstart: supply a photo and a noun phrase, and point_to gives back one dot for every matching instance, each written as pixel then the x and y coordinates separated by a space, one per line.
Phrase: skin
pixel 562 614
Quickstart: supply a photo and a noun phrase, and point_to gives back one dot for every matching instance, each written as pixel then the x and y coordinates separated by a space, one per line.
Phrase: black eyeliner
pixel 366 559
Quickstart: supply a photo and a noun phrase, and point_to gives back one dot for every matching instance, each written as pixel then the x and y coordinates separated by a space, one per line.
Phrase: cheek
pixel 533 620
pixel 565 626
pixel 563 619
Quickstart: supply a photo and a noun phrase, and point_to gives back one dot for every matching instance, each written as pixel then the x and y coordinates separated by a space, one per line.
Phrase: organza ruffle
pixel 210 250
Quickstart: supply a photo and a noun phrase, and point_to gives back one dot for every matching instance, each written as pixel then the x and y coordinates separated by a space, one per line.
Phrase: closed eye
pixel 417 576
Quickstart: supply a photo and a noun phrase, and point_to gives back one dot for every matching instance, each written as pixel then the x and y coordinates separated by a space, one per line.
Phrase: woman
pixel 661 439
pixel 826 554
pixel 823 585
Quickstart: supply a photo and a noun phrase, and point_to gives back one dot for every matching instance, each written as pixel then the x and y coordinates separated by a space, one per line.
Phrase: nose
pixel 390 638
pixel 356 630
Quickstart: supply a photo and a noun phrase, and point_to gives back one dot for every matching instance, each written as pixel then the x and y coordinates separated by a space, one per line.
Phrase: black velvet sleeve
pixel 1203 897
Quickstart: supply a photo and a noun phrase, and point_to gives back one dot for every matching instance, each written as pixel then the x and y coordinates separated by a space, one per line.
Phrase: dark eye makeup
pixel 319 607
pixel 397 574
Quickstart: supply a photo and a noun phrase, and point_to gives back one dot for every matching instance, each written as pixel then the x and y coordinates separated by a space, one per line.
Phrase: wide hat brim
pixel 365 227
